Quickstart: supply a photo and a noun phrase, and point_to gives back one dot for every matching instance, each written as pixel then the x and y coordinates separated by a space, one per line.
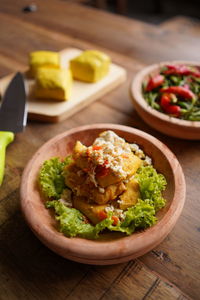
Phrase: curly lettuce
pixel 73 223
pixel 140 216
pixel 51 179
pixel 151 186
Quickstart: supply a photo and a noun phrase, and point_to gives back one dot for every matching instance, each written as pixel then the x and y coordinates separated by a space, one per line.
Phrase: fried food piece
pixel 130 165
pixel 83 160
pixel 131 194
pixel 111 192
pixel 53 84
pixel 47 59
pixel 105 175
pixel 91 211
pixel 74 176
pixel 80 155
pixel 90 66
pixel 78 181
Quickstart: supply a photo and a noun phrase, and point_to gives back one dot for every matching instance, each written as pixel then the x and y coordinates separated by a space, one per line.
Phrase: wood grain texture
pixel 30 270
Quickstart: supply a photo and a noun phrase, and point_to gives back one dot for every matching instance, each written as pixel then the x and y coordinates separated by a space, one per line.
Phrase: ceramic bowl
pixel 111 248
pixel 168 125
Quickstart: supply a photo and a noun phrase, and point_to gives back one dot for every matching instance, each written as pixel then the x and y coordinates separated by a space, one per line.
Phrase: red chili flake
pixel 106 162
pixel 88 152
pixel 102 215
pixel 115 220
pixel 96 147
pixel 102 171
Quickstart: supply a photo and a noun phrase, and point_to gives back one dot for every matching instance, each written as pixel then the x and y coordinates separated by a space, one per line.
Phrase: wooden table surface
pixel 28 269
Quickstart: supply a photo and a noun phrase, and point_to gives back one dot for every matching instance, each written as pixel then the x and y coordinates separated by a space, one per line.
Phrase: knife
pixel 13 116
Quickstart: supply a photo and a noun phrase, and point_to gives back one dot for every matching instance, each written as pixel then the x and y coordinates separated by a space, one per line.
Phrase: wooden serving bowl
pixel 111 248
pixel 169 125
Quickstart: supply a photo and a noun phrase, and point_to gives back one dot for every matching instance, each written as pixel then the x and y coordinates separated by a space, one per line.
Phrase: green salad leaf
pixel 51 179
pixel 151 186
pixel 73 222
pixel 142 215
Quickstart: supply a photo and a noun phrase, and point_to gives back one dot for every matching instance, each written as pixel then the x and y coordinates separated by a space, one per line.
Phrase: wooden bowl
pixel 169 125
pixel 112 248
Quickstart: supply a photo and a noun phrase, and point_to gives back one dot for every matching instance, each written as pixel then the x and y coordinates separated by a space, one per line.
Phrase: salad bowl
pixel 162 122
pixel 111 248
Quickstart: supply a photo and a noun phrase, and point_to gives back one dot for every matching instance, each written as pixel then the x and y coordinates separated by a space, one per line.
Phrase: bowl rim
pixel 136 93
pixel 105 250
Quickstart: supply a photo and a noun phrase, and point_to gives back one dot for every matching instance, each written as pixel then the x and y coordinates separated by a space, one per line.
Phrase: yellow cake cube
pixel 90 66
pixel 53 84
pixel 47 59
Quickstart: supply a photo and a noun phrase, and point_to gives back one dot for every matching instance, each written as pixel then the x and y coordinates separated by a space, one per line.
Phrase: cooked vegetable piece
pixel 166 104
pixel 155 82
pixel 180 91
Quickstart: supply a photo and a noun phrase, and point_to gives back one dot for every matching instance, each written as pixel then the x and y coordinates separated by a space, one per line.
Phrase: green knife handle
pixel 6 137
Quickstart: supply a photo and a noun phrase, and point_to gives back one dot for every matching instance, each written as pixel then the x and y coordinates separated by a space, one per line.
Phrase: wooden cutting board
pixel 82 93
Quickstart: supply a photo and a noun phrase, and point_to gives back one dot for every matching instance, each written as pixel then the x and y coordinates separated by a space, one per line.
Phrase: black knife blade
pixel 13 112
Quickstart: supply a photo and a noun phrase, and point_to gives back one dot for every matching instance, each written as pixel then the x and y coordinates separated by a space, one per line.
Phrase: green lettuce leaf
pixel 73 223
pixel 142 215
pixel 151 186
pixel 51 179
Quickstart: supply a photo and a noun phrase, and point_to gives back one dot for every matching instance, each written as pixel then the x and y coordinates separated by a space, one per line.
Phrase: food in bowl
pixel 90 66
pixel 175 91
pixel 110 185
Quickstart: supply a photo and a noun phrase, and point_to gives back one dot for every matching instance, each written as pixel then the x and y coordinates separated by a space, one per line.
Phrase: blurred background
pixel 153 11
